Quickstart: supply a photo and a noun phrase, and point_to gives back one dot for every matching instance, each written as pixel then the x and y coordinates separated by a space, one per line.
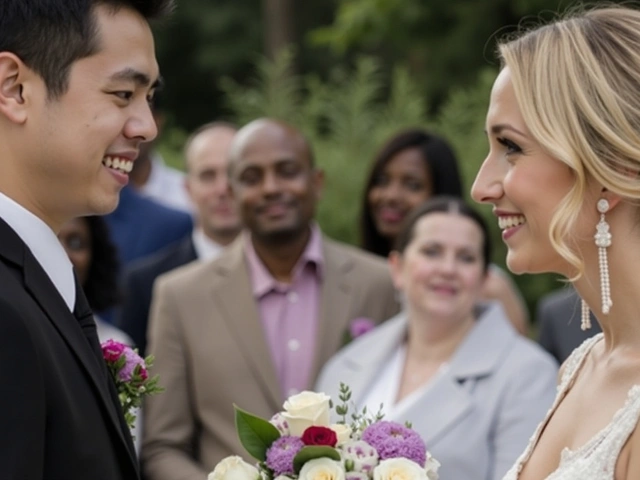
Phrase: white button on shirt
pixel 44 245
pixel 294 345
pixel 292 296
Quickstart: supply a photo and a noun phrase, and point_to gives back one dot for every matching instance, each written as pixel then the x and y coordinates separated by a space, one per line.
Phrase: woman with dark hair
pixel 451 365
pixel 94 258
pixel 410 168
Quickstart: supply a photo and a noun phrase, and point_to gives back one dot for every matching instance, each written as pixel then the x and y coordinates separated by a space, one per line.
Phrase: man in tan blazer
pixel 259 322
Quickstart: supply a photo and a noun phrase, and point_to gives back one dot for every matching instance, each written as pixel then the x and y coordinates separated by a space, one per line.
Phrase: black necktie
pixel 84 315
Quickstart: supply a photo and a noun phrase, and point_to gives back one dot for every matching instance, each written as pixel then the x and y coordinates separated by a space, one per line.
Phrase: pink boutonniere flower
pixel 130 373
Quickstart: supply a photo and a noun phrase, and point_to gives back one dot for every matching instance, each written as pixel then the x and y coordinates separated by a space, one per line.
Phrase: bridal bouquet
pixel 130 374
pixel 300 443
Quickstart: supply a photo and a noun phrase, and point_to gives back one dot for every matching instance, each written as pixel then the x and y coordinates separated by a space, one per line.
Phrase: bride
pixel 563 175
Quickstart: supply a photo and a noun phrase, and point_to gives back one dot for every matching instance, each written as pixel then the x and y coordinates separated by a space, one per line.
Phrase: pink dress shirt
pixel 289 313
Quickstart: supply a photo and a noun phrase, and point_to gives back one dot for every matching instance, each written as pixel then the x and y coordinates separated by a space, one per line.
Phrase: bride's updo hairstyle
pixel 577 83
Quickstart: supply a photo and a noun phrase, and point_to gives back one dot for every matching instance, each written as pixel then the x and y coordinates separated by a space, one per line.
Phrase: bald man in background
pixel 255 325
pixel 216 219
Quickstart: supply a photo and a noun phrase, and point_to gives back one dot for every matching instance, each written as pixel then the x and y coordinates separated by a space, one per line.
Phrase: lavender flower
pixel 281 453
pixel 132 359
pixel 392 440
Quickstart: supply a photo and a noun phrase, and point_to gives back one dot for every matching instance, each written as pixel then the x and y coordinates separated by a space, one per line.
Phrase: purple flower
pixel 281 453
pixel 392 440
pixel 132 359
pixel 359 326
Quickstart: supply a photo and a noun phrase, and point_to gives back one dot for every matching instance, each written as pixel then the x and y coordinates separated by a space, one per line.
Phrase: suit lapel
pixel 233 297
pixel 335 305
pixel 45 294
pixel 449 399
pixel 444 402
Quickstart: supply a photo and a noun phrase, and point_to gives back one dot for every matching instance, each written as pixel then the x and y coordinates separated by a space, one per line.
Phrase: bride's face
pixel 524 184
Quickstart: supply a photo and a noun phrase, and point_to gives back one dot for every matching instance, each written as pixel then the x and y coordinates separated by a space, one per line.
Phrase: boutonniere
pixel 358 327
pixel 130 372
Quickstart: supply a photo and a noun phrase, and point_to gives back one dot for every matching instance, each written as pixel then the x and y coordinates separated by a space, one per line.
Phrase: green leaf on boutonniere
pixel 313 451
pixel 255 433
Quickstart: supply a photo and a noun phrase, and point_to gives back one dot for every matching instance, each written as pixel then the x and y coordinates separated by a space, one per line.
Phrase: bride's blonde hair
pixel 577 83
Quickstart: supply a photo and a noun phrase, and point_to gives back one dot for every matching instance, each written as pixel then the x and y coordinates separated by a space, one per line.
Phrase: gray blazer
pixel 478 416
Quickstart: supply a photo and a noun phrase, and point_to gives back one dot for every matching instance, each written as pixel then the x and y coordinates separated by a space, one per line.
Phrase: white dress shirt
pixel 206 249
pixel 44 245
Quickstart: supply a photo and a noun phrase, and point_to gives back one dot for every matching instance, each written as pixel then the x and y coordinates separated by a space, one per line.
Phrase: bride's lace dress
pixel 596 459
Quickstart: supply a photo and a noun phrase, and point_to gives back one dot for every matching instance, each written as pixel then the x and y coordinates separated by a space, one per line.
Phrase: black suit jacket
pixel 59 419
pixel 138 287
pixel 558 318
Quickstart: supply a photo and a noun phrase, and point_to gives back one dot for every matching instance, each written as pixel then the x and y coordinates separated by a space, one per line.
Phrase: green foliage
pixel 202 41
pixel 360 420
pixel 255 433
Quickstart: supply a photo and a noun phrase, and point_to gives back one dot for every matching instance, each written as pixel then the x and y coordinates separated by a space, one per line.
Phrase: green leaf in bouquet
pixel 313 451
pixel 256 434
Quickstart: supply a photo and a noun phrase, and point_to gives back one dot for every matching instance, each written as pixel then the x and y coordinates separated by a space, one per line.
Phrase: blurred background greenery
pixel 350 73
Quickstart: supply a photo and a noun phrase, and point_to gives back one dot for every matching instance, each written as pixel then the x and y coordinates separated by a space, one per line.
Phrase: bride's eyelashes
pixel 512 147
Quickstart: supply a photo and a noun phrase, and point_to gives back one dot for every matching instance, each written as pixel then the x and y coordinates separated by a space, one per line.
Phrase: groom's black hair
pixel 50 35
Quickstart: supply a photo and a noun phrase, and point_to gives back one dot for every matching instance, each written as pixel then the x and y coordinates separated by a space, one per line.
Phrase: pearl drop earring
pixel 603 241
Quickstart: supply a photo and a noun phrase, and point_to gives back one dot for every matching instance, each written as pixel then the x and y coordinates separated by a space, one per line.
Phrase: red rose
pixel 319 436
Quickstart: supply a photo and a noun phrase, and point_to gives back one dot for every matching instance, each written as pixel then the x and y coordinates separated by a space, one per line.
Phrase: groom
pixel 75 81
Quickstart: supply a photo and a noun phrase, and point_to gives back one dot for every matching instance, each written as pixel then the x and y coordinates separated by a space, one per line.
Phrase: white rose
pixel 284 477
pixel 322 468
pixel 342 431
pixel 304 410
pixel 399 469
pixel 431 466
pixel 234 468
pixel 359 456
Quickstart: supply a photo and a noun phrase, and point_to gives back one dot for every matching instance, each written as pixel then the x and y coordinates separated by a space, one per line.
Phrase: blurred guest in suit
pixel 216 224
pixel 558 319
pixel 140 226
pixel 457 370
pixel 411 167
pixel 256 324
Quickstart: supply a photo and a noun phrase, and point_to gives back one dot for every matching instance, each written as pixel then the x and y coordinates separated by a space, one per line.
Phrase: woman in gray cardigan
pixel 458 371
